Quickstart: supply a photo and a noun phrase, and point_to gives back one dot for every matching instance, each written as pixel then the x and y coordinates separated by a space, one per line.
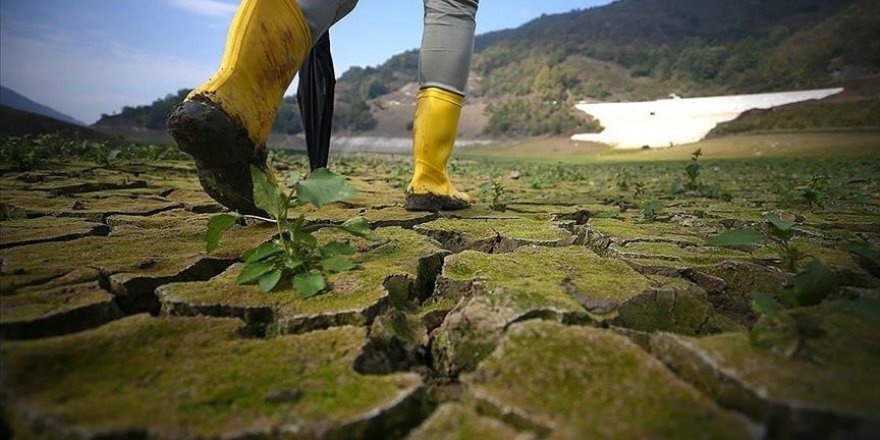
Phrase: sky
pixel 89 57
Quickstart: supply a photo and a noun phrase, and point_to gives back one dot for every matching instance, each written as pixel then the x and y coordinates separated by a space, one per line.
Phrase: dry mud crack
pixel 567 316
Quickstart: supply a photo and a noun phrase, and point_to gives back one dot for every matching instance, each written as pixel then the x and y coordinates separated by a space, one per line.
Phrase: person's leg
pixel 225 123
pixel 444 64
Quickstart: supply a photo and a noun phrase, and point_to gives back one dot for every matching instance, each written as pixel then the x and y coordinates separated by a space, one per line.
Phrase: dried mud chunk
pixel 39 313
pixel 494 235
pixel 452 421
pixel 672 256
pixel 830 388
pixel 570 285
pixel 602 232
pixel 582 382
pixel 135 258
pixel 93 206
pixel 839 260
pixel 44 229
pixel 197 378
pixel 739 280
pixel 394 262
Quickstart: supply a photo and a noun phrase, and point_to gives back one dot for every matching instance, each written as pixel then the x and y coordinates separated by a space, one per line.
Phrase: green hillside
pixel 644 49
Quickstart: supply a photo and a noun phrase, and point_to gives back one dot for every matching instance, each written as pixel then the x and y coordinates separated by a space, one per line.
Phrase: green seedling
pixel 814 192
pixel 781 332
pixel 494 193
pixel 650 210
pixel 294 253
pixel 398 177
pixel 639 190
pixel 775 231
pixel 693 172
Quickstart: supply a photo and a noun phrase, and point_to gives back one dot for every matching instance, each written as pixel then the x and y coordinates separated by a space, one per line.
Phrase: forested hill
pixel 643 49
pixel 152 117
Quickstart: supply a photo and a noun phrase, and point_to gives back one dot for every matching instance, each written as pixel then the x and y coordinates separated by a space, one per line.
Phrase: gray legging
pixel 447 43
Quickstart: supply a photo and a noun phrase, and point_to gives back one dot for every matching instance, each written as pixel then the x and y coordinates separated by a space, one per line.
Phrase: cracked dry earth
pixel 552 319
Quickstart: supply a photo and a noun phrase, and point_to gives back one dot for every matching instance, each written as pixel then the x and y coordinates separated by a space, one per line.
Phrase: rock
pixel 830 390
pixel 395 263
pixel 494 235
pixel 452 421
pixel 197 378
pixel 603 386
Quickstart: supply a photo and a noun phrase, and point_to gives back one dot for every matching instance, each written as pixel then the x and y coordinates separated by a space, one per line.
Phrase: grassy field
pixel 790 144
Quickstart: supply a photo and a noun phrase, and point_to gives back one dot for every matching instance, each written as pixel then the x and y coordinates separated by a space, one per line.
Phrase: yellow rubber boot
pixel 435 127
pixel 225 123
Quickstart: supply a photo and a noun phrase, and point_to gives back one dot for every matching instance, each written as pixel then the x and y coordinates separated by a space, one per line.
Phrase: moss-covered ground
pixel 587 305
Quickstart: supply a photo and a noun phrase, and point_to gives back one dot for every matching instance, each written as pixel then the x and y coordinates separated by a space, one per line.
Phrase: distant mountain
pixel 642 49
pixel 10 98
pixel 15 122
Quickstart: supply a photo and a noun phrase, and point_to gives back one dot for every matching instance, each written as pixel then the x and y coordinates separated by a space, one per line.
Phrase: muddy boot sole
pixel 222 150
pixel 433 203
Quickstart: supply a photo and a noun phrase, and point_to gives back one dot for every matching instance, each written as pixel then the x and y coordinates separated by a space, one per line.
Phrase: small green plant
pixel 294 253
pixel 536 181
pixel 623 183
pixel 815 191
pixel 639 190
pixel 693 172
pixel 398 177
pixel 780 329
pixel 494 193
pixel 611 213
pixel 775 230
pixel 650 210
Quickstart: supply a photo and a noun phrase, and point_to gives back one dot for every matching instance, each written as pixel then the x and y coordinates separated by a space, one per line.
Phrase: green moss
pixel 38 304
pixel 625 392
pixel 687 313
pixel 549 276
pixel 516 229
pixel 455 421
pixel 852 222
pixel 668 254
pixel 834 374
pixel 192 198
pixel 83 205
pixel 17 232
pixel 622 232
pixel 396 215
pixel 834 258
pixel 443 304
pixel 157 247
pixel 195 374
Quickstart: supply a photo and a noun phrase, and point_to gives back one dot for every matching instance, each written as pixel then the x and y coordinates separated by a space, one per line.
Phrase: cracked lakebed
pixel 569 315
